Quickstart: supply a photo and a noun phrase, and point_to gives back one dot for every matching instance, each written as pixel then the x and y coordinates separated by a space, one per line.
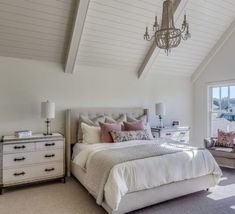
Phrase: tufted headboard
pixel 72 116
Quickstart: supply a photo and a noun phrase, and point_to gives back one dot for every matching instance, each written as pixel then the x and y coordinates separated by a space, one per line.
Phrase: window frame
pixel 210 109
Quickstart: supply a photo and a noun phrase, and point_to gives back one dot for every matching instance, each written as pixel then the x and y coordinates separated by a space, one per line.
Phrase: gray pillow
pixel 120 119
pixel 143 117
pixel 89 121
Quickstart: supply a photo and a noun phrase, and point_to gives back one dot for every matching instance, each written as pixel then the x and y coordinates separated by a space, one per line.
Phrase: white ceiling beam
pixel 201 68
pixel 178 9
pixel 80 18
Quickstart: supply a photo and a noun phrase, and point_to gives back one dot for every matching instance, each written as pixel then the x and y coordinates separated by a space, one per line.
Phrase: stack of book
pixel 23 134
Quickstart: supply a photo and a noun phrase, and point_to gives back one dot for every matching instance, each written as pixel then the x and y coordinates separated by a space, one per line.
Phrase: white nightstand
pixel 33 159
pixel 180 134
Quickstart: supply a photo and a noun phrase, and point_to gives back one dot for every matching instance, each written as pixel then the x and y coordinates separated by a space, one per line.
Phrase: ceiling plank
pixel 201 68
pixel 178 8
pixel 76 36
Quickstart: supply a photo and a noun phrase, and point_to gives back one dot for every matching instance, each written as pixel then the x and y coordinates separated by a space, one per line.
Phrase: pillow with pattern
pixel 225 139
pixel 121 136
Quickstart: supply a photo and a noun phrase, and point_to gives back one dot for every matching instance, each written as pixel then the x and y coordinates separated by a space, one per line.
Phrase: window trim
pixel 209 100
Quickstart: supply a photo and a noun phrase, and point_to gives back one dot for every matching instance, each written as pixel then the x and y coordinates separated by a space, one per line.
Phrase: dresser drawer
pixel 49 156
pixel 18 147
pixel 167 134
pixel 49 145
pixel 40 172
pixel 21 159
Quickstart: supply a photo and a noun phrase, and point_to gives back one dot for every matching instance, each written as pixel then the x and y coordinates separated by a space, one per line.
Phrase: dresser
pixel 33 159
pixel 180 134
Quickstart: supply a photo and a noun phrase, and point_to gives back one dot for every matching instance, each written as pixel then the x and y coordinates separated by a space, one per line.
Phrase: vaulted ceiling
pixel 112 35
pixel 36 29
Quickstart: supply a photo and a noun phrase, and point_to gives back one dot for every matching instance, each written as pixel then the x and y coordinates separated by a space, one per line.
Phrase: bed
pixel 131 175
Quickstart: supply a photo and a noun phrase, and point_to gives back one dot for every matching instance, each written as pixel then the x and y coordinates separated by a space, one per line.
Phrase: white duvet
pixel 151 172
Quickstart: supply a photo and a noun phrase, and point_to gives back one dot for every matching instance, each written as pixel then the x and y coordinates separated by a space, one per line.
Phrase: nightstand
pixel 180 134
pixel 33 159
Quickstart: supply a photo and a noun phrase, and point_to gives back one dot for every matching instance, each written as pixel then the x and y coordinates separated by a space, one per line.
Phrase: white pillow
pixel 148 128
pixel 91 134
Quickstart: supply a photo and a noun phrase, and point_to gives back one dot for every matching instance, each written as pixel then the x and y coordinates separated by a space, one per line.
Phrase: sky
pixel 224 92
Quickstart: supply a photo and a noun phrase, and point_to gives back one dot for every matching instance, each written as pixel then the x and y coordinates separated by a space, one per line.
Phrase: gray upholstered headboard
pixel 72 116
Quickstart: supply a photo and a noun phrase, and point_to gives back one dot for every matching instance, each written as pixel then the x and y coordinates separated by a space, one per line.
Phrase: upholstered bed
pixel 142 197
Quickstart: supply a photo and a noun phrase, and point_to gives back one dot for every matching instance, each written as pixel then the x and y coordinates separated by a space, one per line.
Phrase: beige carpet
pixel 72 198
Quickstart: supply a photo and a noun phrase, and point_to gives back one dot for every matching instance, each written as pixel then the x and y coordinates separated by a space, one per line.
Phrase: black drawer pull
pixel 20 173
pixel 49 144
pixel 19 147
pixel 49 156
pixel 168 134
pixel 182 141
pixel 49 170
pixel 19 159
pixel 182 133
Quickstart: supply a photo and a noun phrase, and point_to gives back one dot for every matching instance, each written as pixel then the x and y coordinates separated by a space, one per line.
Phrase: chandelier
pixel 168 36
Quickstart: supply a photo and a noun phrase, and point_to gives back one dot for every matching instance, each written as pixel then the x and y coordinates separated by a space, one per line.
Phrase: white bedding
pixel 151 172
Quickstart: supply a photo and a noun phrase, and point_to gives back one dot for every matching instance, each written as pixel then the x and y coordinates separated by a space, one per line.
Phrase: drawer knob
pixel 19 159
pixel 49 156
pixel 182 133
pixel 20 173
pixel 19 147
pixel 49 144
pixel 168 134
pixel 49 170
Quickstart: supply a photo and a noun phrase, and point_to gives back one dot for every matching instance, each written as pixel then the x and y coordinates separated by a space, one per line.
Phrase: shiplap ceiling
pixel 36 29
pixel 113 34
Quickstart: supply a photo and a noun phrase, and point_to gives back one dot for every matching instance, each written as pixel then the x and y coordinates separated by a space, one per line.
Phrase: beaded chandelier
pixel 168 36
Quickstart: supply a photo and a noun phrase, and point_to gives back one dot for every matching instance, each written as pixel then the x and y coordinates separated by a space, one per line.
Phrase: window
pixel 221 108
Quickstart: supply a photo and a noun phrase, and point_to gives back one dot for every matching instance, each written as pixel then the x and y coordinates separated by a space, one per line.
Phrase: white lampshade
pixel 48 110
pixel 160 109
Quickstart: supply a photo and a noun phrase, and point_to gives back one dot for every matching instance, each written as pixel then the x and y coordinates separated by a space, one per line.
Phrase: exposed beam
pixel 80 18
pixel 178 8
pixel 201 68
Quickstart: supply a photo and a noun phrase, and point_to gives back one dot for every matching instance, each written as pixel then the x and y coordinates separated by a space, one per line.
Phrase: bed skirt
pixel 145 198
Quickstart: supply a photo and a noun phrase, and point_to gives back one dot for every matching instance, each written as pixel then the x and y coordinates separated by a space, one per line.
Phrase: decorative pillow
pixel 121 119
pixel 106 128
pixel 226 139
pixel 143 117
pixel 134 126
pixel 91 122
pixel 121 136
pixel 91 134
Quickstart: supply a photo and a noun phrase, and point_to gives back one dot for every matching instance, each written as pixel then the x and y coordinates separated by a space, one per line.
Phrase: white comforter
pixel 151 172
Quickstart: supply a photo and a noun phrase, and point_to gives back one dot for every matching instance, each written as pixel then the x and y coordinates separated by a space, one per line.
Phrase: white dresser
pixel 33 159
pixel 180 134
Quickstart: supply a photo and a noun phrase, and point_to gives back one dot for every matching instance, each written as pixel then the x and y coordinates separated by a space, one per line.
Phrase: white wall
pixel 221 69
pixel 25 83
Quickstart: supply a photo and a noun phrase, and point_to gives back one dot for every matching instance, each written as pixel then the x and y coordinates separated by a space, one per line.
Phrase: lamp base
pixel 161 124
pixel 48 133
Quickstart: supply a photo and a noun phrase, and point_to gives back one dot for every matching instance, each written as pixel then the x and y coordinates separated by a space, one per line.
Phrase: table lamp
pixel 48 112
pixel 160 111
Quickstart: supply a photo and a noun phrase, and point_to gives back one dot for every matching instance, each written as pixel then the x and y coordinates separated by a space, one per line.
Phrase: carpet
pixel 72 198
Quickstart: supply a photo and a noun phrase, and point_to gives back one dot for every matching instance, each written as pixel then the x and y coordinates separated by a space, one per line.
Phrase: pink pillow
pixel 106 128
pixel 226 139
pixel 134 126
